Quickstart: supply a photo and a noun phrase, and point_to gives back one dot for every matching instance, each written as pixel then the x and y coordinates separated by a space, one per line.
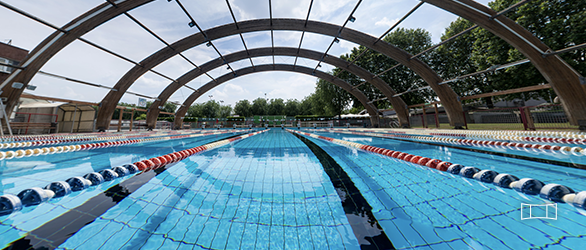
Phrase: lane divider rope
pixel 35 141
pixel 510 135
pixel 577 151
pixel 10 203
pixel 6 155
pixel 553 192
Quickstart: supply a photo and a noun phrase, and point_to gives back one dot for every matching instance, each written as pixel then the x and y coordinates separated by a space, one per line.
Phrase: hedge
pixel 314 117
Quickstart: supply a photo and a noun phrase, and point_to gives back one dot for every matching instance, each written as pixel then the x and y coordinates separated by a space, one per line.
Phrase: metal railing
pixel 551 116
pixel 34 123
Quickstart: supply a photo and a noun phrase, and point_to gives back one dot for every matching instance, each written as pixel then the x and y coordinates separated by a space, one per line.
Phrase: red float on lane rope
pixel 443 166
pixel 432 163
pixel 423 161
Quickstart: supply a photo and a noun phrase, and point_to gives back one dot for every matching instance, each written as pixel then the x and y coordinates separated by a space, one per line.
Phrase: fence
pixel 508 118
pixel 512 118
pixel 520 118
pixel 550 116
pixel 138 125
pixel 34 123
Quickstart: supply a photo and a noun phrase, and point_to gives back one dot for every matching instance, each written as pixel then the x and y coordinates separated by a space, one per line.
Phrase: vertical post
pixel 6 118
pixel 56 123
pixel 120 120
pixel 27 124
pixel 79 120
pixel 465 121
pixel 436 116
pixel 95 118
pixel 523 118
pixel 131 119
pixel 73 118
pixel 528 118
pixel 423 118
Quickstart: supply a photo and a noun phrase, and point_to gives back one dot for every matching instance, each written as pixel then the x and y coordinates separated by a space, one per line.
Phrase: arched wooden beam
pixel 447 96
pixel 43 52
pixel 563 78
pixel 372 111
pixel 398 104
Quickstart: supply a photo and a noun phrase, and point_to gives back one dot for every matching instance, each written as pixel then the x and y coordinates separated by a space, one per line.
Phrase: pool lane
pixel 17 224
pixel 564 159
pixel 419 207
pixel 38 171
pixel 267 191
pixel 358 211
pixel 548 173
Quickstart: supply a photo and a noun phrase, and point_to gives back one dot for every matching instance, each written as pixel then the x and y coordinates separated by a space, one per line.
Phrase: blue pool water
pixel 518 151
pixel 271 191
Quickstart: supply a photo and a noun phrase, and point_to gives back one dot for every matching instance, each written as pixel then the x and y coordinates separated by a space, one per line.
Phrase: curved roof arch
pixel 447 96
pixel 58 40
pixel 398 103
pixel 372 110
pixel 564 80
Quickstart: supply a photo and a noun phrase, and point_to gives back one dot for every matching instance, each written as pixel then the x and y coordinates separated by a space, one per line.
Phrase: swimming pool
pixel 282 190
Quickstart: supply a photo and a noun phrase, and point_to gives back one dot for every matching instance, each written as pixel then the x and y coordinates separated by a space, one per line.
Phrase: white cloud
pixel 123 36
pixel 386 22
pixel 229 90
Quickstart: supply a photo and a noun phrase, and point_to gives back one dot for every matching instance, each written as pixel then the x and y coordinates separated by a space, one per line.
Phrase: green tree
pixel 277 107
pixel 305 105
pixel 211 109
pixel 127 112
pixel 168 107
pixel 243 108
pixel 292 107
pixel 225 111
pixel 558 23
pixel 141 117
pixel 334 97
pixel 195 110
pixel 355 110
pixel 260 107
pixel 312 105
pixel 454 59
pixel 400 79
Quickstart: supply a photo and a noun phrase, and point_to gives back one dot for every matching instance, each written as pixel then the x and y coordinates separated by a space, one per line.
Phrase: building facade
pixel 10 55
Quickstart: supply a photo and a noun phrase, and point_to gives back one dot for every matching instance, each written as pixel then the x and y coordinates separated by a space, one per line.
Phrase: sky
pixel 84 62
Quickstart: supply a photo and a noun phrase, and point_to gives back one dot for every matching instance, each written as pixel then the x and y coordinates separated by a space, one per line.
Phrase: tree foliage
pixel 400 79
pixel 292 107
pixel 334 98
pixel 277 107
pixel 209 109
pixel 141 115
pixel 558 23
pixel 243 108
pixel 260 106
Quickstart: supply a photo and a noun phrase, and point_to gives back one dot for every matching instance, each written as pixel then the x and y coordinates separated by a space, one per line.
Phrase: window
pixel 6 69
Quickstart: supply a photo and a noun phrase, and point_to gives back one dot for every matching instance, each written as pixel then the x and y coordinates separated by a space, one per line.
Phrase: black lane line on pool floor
pixel 355 205
pixel 53 233
pixel 552 162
